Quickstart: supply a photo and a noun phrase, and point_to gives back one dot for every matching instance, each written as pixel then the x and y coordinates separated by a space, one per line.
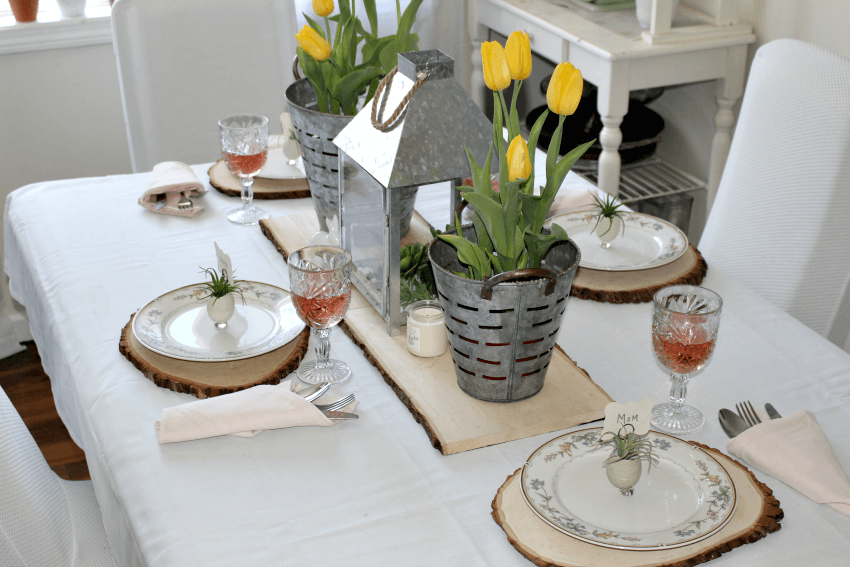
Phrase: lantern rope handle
pixel 376 123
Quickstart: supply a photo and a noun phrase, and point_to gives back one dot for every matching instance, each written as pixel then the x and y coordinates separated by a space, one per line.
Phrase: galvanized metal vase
pixel 315 132
pixel 502 331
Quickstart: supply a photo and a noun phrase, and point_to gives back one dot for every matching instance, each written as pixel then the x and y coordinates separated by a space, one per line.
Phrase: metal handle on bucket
pixel 487 290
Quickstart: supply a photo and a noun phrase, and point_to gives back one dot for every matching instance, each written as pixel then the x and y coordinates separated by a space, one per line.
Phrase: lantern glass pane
pixel 362 228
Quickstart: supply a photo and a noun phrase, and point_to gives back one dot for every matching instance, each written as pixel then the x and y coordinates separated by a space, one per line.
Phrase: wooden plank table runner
pixel 264 188
pixel 757 515
pixel 454 421
pixel 639 286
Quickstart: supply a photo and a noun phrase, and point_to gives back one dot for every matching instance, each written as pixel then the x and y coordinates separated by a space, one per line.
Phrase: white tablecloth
pixel 82 256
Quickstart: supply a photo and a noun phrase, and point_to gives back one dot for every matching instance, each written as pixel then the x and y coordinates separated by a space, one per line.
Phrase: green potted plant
pixel 629 451
pixel 609 222
pixel 220 301
pixel 336 85
pixel 503 280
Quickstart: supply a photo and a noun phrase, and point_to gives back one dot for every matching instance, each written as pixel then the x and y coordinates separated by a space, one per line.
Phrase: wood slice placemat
pixel 208 379
pixel 757 515
pixel 264 188
pixel 453 420
pixel 639 286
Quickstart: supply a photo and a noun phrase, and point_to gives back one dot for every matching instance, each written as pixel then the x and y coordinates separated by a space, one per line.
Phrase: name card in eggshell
pixel 636 414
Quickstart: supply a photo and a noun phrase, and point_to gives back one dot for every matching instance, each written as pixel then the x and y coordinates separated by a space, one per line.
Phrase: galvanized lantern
pixel 408 143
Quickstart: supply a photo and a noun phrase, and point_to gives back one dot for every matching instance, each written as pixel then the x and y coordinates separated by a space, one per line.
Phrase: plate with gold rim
pixel 645 242
pixel 685 498
pixel 176 324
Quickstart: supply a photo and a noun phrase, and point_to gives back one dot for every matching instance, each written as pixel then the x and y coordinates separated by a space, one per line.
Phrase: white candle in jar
pixel 426 329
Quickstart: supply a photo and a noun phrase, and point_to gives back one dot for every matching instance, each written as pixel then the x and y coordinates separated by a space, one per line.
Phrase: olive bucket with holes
pixel 502 331
pixel 315 132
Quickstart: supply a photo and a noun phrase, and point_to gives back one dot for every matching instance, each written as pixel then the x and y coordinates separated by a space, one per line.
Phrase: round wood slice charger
pixel 638 286
pixel 756 516
pixel 208 379
pixel 264 188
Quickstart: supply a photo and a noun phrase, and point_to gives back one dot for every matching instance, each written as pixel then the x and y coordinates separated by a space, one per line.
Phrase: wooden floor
pixel 26 384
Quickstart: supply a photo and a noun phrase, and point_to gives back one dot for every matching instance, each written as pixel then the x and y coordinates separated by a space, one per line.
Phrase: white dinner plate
pixel 647 242
pixel 686 498
pixel 177 324
pixel 277 166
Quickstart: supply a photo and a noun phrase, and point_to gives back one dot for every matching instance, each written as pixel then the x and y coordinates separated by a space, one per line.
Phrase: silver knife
pixel 771 411
pixel 340 415
pixel 732 423
pixel 310 393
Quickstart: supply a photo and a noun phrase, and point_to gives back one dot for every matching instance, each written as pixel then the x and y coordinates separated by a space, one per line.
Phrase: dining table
pixel 82 256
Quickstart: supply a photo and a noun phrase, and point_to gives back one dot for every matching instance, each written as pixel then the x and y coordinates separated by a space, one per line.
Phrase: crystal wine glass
pixel 243 143
pixel 321 291
pixel 684 331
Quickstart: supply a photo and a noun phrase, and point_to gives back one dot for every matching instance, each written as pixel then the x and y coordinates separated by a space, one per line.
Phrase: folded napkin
pixel 173 180
pixel 796 451
pixel 244 414
pixel 574 200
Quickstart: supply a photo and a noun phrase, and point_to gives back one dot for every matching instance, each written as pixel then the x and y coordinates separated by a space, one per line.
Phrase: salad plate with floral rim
pixel 177 325
pixel 685 498
pixel 645 242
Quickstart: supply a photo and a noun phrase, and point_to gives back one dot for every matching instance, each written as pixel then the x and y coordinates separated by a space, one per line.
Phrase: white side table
pixel 610 50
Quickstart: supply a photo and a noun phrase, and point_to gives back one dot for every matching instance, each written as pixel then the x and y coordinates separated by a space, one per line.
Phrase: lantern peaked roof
pixel 426 144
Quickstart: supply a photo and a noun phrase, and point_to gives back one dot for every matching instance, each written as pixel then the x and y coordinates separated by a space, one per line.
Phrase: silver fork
pixel 340 403
pixel 748 413
pixel 185 203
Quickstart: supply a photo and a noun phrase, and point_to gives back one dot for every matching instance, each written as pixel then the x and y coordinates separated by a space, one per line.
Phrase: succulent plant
pixel 628 445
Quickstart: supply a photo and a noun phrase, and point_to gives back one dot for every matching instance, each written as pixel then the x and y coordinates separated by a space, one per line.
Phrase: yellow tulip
pixel 323 7
pixel 518 51
pixel 519 165
pixel 497 74
pixel 564 92
pixel 313 43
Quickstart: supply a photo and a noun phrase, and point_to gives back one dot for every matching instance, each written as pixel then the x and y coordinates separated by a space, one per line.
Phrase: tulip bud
pixel 518 51
pixel 323 7
pixel 313 43
pixel 565 88
pixel 497 74
pixel 519 165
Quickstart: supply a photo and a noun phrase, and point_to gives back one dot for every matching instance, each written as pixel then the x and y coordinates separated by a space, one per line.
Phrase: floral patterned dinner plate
pixel 688 497
pixel 647 242
pixel 177 324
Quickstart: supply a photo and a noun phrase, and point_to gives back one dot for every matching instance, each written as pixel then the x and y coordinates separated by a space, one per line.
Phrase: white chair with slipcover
pixel 185 64
pixel 781 221
pixel 44 520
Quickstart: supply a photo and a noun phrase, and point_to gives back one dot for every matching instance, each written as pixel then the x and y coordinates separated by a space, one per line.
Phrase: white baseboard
pixel 21 325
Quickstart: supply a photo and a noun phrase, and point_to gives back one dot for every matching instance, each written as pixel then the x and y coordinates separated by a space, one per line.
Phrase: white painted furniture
pixel 371 492
pixel 610 50
pixel 44 520
pixel 185 65
pixel 781 221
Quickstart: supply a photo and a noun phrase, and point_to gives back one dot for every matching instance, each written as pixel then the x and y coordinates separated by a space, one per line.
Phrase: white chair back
pixel 44 520
pixel 781 220
pixel 185 64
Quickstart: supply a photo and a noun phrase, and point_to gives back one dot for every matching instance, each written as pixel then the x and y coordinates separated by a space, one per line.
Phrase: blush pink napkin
pixel 796 451
pixel 174 180
pixel 246 413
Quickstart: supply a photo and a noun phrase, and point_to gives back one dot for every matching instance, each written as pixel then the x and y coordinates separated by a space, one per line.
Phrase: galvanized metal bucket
pixel 502 331
pixel 315 132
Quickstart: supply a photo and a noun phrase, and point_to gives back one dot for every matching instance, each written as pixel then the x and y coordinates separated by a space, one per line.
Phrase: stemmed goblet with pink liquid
pixel 319 279
pixel 243 143
pixel 685 320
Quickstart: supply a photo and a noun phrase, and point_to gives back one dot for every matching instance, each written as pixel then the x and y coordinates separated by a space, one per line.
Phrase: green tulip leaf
pixel 372 14
pixel 389 57
pixel 405 24
pixel 318 29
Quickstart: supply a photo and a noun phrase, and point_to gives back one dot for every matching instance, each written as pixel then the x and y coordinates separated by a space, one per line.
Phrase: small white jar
pixel 426 329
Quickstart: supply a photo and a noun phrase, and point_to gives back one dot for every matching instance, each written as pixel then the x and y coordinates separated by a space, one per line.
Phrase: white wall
pixel 60 117
pixel 689 111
